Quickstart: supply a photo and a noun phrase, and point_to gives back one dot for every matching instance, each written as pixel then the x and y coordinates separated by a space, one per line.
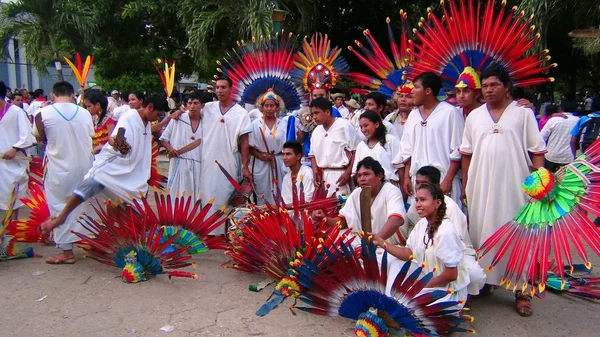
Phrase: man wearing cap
pixel 338 102
pixel 405 104
pixel 115 94
pixel 353 111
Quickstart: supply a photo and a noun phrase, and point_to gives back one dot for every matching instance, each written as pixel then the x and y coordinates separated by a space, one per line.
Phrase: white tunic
pixel 332 150
pixel 305 177
pixel 221 130
pixel 125 176
pixel 434 142
pixel 343 111
pixel 184 171
pixel 444 250
pixel 264 173
pixel 15 131
pixel 387 203
pixel 397 121
pixel 499 164
pixel 388 156
pixel 459 221
pixel 69 130
pixel 119 111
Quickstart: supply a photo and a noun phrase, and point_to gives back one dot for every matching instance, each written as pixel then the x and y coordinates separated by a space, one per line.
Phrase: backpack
pixel 590 131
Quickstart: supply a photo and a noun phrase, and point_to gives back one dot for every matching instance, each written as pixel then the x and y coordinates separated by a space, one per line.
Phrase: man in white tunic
pixel 121 170
pixel 224 127
pixel 332 147
pixel 405 103
pixel 500 144
pixel 67 130
pixel 298 174
pixel 183 139
pixel 432 136
pixel 338 102
pixel 16 138
pixel 387 210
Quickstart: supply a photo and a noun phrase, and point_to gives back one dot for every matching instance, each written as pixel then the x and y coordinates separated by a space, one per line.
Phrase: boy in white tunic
pixel 432 135
pixel 500 144
pixel 224 126
pixel 67 130
pixel 121 170
pixel 332 147
pixel 15 129
pixel 298 174
pixel 183 139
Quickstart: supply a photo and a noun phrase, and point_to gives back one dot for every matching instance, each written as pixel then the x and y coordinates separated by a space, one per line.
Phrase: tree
pixel 49 29
pixel 213 26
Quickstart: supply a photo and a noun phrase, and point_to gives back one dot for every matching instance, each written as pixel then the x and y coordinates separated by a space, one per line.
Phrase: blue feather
pixel 271 304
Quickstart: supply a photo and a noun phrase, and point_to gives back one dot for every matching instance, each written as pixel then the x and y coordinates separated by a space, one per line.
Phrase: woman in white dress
pixel 266 138
pixel 378 145
pixel 435 245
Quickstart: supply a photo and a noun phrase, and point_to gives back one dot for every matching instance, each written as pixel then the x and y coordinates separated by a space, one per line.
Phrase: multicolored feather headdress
pixel 467 36
pixel 391 75
pixel 318 66
pixel 261 65
pixel 554 219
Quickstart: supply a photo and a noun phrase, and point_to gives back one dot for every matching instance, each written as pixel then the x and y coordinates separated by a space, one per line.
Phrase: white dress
pixel 265 173
pixel 305 177
pixel 445 250
pixel 499 164
pixel 15 129
pixel 69 130
pixel 184 171
pixel 434 142
pixel 332 150
pixel 222 131
pixel 388 156
pixel 125 176
pixel 458 219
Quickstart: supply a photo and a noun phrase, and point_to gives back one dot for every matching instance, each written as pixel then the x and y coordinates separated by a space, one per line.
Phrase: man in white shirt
pixel 557 135
pixel 67 130
pixel 119 172
pixel 299 175
pixel 432 135
pixel 338 102
pixel 332 147
pixel 16 138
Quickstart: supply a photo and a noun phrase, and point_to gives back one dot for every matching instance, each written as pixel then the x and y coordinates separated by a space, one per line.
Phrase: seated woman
pixel 434 244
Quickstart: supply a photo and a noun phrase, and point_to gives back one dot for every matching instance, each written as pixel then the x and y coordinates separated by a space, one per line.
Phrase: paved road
pixel 88 299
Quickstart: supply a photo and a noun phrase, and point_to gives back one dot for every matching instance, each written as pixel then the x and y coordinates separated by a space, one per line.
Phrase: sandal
pixel 60 259
pixel 523 304
pixel 487 290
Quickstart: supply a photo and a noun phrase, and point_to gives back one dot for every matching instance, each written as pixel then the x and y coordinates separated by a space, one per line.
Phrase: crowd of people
pixel 429 163
pixel 444 173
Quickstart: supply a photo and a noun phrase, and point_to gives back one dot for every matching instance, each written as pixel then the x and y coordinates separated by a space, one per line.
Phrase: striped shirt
pixel 557 134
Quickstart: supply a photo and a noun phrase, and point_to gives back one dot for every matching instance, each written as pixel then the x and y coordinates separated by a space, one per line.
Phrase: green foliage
pixel 48 29
pixel 131 82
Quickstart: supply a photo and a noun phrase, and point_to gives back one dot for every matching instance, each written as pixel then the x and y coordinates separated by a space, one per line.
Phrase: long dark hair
pixel 437 194
pixel 97 96
pixel 374 117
